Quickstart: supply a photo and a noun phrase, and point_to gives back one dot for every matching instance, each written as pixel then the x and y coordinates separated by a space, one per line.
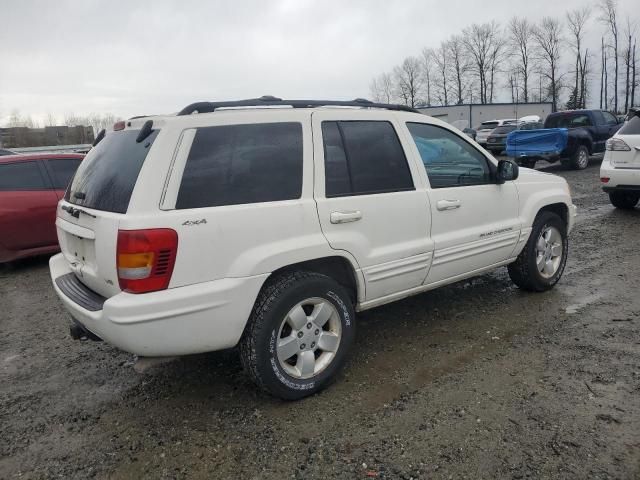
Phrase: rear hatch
pixel 626 155
pixel 97 198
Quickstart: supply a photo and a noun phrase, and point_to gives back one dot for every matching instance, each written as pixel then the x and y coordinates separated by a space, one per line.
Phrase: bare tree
pixel 479 42
pixel 521 38
pixel 634 82
pixel 627 57
pixel 548 38
pixel 51 120
pixel 381 88
pixel 576 20
pixel 459 65
pixel 440 59
pixel 496 57
pixel 609 17
pixel 427 73
pixel 18 120
pixel 408 76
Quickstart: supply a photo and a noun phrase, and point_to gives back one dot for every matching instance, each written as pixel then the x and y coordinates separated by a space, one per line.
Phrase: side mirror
pixel 507 171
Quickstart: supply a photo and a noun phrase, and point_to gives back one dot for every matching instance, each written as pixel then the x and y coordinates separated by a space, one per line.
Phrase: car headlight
pixel 617 145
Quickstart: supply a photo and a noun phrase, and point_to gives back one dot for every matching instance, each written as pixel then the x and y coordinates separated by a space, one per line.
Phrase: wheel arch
pixel 560 208
pixel 337 267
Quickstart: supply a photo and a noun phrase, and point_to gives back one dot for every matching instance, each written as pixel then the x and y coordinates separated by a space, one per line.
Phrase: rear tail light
pixel 145 259
pixel 617 145
pixel 604 179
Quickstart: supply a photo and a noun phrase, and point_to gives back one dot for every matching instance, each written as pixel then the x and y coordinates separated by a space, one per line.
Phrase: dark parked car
pixel 570 137
pixel 30 187
pixel 496 141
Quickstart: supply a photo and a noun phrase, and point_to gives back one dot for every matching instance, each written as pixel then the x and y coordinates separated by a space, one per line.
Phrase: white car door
pixel 371 201
pixel 474 220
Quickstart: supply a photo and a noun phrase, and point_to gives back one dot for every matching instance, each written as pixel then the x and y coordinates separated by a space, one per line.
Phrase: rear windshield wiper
pixel 75 212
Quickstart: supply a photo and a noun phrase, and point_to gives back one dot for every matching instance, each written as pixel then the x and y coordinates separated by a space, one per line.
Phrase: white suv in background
pixel 485 128
pixel 270 227
pixel 620 170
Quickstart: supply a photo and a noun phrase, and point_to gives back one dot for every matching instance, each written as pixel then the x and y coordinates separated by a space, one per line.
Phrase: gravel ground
pixel 475 380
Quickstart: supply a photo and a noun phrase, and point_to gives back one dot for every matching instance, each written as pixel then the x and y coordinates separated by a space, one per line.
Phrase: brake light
pixel 145 259
pixel 118 126
pixel 604 179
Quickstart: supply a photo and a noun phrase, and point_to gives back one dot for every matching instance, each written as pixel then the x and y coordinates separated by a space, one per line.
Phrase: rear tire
pixel 299 334
pixel 624 200
pixel 580 159
pixel 542 260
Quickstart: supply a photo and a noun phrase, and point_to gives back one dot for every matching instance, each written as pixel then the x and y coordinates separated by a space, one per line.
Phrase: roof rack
pixel 270 101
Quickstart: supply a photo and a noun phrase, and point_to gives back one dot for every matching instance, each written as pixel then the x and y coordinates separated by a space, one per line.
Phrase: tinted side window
pixel 62 171
pixel 448 159
pixel 336 170
pixel 364 157
pixel 21 176
pixel 238 164
pixel 609 119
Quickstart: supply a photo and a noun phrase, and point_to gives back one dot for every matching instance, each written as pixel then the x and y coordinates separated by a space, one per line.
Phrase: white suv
pixel 270 227
pixel 620 170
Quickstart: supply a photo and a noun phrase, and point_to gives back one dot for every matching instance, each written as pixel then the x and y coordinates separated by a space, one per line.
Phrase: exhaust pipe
pixel 78 332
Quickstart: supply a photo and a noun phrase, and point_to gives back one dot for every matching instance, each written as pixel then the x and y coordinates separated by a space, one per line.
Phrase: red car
pixel 30 187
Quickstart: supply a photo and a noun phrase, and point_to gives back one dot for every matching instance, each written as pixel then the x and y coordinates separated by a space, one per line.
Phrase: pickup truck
pixel 570 137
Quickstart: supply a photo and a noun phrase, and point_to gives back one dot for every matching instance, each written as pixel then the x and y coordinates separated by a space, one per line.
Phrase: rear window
pixel 106 177
pixel 503 130
pixel 487 125
pixel 631 126
pixel 568 121
pixel 239 164
pixel 21 176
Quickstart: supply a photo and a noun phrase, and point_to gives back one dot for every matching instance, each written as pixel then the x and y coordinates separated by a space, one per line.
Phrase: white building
pixel 476 114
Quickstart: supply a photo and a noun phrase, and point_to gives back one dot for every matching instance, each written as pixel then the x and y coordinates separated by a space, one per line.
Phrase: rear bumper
pixel 179 321
pixel 620 179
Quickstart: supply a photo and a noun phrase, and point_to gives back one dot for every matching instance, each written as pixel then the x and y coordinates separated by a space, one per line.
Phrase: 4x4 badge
pixel 190 223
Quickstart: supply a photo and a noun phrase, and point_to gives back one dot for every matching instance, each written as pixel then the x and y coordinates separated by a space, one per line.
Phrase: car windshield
pixel 504 130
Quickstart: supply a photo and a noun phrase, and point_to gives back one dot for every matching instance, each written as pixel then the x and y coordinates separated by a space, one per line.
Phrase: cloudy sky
pixel 145 57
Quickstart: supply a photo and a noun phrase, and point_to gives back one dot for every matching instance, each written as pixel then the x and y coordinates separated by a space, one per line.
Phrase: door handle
pixel 345 217
pixel 448 204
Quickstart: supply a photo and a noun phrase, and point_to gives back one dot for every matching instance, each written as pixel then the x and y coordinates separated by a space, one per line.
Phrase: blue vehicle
pixel 570 137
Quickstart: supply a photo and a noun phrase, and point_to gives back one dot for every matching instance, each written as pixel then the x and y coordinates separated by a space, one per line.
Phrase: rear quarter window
pixel 106 177
pixel 240 164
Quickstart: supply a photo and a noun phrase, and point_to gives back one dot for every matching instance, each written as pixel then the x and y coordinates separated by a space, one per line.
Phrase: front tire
pixel 624 200
pixel 542 260
pixel 299 334
pixel 580 159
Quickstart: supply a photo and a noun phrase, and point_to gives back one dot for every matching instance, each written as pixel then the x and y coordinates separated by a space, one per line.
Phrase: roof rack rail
pixel 270 101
